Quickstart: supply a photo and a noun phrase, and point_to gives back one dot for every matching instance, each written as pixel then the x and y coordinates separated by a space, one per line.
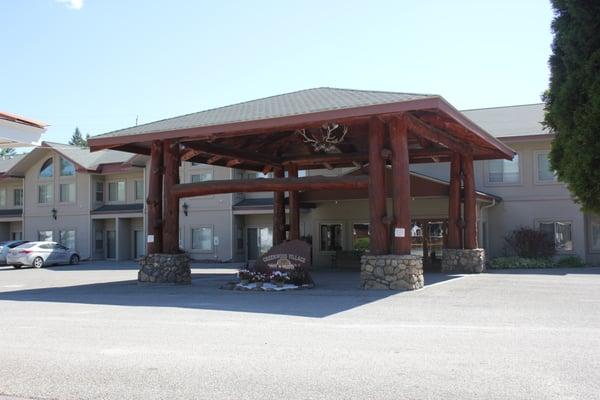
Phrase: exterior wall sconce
pixel 185 207
pixel 54 213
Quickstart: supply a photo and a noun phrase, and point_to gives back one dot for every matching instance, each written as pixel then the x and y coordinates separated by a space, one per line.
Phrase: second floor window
pixel 100 192
pixel 18 197
pixel 67 192
pixel 45 193
pixel 504 171
pixel 544 171
pixel 2 197
pixel 67 168
pixel 116 191
pixel 47 170
pixel 139 190
pixel 201 176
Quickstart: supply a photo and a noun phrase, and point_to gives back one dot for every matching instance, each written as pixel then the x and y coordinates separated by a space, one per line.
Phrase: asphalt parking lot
pixel 91 332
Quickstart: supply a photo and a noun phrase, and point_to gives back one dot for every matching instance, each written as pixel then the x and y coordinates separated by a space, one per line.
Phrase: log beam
pixel 454 228
pixel 155 198
pixel 400 184
pixel 377 200
pixel 171 156
pixel 294 206
pixel 227 152
pixel 278 211
pixel 470 207
pixel 435 135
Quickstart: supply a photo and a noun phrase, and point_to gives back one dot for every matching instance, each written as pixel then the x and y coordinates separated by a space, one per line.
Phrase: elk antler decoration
pixel 331 135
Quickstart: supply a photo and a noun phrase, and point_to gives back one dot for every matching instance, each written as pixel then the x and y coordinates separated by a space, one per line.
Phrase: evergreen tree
pixel 7 152
pixel 78 140
pixel 573 99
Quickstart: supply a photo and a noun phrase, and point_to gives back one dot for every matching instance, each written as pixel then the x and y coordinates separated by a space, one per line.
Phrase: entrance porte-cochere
pixel 317 129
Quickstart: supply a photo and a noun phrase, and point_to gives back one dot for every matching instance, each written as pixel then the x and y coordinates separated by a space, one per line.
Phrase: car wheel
pixel 74 259
pixel 38 262
pixel 16 266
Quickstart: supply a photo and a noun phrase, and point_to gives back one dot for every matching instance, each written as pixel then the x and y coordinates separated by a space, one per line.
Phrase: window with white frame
pixel 330 237
pixel 503 171
pixel 139 190
pixel 18 197
pixel 202 238
pixel 45 236
pixel 47 170
pixel 67 168
pixel 544 173
pixel 201 176
pixel 2 197
pixel 45 193
pixel 595 234
pixel 67 192
pixel 561 231
pixel 116 191
pixel 100 192
pixel 67 238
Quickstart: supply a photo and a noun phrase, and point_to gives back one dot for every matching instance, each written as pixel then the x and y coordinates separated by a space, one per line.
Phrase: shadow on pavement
pixel 335 292
pixel 548 271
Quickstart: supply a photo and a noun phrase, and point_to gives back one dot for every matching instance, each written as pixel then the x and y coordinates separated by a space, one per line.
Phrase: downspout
pixel 493 203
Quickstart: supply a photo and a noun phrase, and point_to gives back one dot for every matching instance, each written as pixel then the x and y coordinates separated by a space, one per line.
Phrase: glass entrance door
pixel 111 244
pixel 138 240
pixel 260 240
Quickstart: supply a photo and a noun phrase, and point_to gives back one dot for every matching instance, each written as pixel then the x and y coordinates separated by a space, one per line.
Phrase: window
pixel 543 171
pixel 2 197
pixel 45 193
pixel 139 190
pixel 45 236
pixel 595 234
pixel 202 239
pixel 116 191
pixel 67 238
pixel 331 237
pixel 18 197
pixel 67 192
pixel 504 171
pixel 360 237
pixel 67 168
pixel 47 170
pixel 561 232
pixel 100 192
pixel 201 176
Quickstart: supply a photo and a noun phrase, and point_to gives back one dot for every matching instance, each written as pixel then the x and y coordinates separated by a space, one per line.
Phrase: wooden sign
pixel 285 257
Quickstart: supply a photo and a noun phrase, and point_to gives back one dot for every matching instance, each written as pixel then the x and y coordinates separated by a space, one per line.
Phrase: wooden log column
pixel 155 198
pixel 470 210
pixel 278 211
pixel 379 242
pixel 171 155
pixel 454 228
pixel 294 206
pixel 400 184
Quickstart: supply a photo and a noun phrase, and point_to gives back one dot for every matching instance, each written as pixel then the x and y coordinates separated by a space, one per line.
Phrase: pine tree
pixel 573 99
pixel 78 140
pixel 7 152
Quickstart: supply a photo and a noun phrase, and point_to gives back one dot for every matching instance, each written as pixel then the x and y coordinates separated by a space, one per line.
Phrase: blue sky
pixel 99 64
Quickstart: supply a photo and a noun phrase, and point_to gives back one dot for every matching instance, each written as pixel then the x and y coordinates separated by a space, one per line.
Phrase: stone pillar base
pixel 395 272
pixel 165 268
pixel 463 261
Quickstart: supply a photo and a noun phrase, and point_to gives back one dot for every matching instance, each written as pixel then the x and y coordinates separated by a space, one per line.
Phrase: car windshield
pixel 15 244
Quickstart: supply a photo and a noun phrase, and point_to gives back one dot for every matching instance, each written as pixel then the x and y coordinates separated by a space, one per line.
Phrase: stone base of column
pixel 165 268
pixel 395 272
pixel 463 261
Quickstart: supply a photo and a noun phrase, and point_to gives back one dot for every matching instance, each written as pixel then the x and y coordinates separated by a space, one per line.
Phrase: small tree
pixel 7 152
pixel 530 243
pixel 78 140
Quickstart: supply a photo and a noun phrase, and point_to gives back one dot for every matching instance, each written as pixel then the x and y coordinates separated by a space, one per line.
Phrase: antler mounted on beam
pixel 332 134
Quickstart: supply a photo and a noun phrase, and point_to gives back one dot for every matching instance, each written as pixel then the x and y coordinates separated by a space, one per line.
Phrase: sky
pixel 102 64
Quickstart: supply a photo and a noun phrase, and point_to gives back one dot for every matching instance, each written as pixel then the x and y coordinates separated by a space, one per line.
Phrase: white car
pixel 41 254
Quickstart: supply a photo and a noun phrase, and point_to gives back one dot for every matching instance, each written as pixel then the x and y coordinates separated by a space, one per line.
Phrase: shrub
pixel 530 243
pixel 520 262
pixel 570 262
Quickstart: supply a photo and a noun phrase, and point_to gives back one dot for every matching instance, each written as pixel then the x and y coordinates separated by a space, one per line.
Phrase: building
pixel 95 202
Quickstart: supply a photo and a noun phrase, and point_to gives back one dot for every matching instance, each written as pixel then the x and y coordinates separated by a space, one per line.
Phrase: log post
pixel 454 229
pixel 377 199
pixel 400 185
pixel 155 198
pixel 294 206
pixel 470 210
pixel 278 211
pixel 171 155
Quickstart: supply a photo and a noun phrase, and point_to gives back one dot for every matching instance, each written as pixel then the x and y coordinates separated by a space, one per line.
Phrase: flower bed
pixel 273 281
pixel 532 263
